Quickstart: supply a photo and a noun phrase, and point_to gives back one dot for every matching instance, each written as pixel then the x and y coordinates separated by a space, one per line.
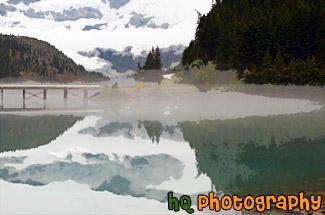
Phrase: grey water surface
pixel 233 143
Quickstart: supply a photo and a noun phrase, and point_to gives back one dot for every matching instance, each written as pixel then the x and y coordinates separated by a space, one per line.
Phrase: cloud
pixel 74 25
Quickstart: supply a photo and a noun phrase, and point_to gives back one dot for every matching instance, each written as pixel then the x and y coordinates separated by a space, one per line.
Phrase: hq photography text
pixel 259 203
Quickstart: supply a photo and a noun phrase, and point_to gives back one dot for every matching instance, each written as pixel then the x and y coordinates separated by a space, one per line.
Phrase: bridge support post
pixel 1 98
pixel 44 94
pixel 44 97
pixel 85 97
pixel 65 92
pixel 24 98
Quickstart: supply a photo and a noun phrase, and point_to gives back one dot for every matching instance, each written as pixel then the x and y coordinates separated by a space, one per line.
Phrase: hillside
pixel 277 42
pixel 27 59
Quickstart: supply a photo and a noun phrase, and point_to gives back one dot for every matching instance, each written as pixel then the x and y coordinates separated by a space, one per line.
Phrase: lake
pixel 122 155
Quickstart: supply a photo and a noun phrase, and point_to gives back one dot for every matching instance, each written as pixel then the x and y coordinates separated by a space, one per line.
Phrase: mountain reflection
pixel 111 129
pixel 22 132
pixel 131 176
pixel 153 130
pixel 255 155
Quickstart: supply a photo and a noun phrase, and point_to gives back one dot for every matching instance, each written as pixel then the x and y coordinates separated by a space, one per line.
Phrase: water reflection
pixel 131 176
pixel 295 166
pixel 21 132
pixel 127 155
pixel 112 154
pixel 261 155
pixel 145 129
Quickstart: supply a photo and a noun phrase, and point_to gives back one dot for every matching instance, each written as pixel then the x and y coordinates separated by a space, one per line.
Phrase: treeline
pixel 266 41
pixel 38 60
pixel 153 60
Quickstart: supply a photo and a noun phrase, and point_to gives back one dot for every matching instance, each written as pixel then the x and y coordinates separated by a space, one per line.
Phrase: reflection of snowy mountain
pixel 84 26
pixel 131 176
pixel 153 130
pixel 113 156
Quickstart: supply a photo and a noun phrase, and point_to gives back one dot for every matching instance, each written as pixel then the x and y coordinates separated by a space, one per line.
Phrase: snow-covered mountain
pixel 123 61
pixel 78 27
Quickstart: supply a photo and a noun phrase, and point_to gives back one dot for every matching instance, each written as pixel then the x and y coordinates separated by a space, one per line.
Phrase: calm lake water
pixel 124 160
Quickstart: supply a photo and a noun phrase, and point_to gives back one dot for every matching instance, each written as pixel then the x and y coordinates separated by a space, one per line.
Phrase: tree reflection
pixel 261 155
pixel 154 129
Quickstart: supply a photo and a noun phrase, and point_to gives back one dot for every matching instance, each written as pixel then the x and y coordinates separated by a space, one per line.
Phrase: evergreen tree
pixel 153 61
pixel 149 64
pixel 278 67
pixel 267 66
pixel 139 66
pixel 157 59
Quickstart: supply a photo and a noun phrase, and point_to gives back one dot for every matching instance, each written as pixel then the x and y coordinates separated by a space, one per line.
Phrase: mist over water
pixel 127 148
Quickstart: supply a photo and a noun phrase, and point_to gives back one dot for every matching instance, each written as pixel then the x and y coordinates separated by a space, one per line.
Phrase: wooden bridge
pixel 26 90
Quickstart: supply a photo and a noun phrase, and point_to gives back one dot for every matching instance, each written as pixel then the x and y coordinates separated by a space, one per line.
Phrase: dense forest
pixel 31 59
pixel 265 41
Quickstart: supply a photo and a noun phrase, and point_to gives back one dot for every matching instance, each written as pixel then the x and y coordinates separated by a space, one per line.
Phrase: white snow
pixel 69 37
pixel 168 76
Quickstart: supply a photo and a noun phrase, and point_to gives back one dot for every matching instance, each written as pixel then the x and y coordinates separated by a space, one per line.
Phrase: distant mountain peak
pixel 84 25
